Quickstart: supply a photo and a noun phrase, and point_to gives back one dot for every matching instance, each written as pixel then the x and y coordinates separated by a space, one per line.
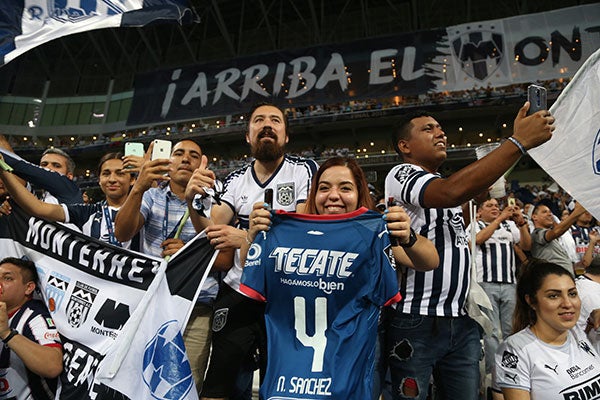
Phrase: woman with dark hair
pixel 548 356
pixel 363 198
pixel 324 276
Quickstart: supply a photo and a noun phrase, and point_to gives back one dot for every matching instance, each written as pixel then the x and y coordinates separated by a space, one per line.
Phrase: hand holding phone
pixel 161 149
pixel 537 97
pixel 134 149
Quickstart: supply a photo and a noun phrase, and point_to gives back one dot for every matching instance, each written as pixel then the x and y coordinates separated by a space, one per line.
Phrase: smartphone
pixel 390 203
pixel 512 202
pixel 161 149
pixel 269 198
pixel 134 149
pixel 537 97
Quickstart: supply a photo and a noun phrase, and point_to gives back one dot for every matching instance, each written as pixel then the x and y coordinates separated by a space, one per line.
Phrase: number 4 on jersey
pixel 318 341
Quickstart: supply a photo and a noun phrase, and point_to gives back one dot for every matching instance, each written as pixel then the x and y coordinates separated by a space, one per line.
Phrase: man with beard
pixel 238 323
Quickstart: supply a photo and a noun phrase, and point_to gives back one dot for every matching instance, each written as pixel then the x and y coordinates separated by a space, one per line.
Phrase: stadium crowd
pixel 419 303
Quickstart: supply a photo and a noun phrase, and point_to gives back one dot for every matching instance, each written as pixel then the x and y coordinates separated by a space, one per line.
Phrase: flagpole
pixel 184 219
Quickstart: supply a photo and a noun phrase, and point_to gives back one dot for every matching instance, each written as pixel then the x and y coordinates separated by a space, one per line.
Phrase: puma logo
pixel 550 368
pixel 512 377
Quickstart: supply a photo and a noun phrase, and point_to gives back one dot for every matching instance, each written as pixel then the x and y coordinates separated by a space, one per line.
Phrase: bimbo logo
pixel 479 52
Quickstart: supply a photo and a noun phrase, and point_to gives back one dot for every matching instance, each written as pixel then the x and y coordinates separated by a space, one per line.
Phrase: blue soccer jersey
pixel 324 278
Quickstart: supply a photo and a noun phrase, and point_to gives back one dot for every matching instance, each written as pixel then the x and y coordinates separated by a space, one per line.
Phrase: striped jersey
pixel 33 321
pixel 496 258
pixel 581 236
pixel 323 278
pixel 442 291
pixel 242 188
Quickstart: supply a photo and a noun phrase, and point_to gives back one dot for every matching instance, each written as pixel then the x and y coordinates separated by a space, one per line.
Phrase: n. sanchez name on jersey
pixel 323 278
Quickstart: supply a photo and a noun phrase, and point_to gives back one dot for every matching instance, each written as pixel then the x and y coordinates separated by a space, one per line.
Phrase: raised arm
pixel 530 131
pixel 28 202
pixel 129 219
pixel 588 256
pixel 61 187
pixel 564 225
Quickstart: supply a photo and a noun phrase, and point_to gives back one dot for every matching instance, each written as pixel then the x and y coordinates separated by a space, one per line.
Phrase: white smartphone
pixel 134 149
pixel 537 97
pixel 161 149
pixel 512 202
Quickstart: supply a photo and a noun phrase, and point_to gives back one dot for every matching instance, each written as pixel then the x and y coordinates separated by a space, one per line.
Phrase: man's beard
pixel 267 151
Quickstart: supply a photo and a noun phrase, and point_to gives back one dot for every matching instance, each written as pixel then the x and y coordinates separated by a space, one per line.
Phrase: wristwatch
pixel 412 239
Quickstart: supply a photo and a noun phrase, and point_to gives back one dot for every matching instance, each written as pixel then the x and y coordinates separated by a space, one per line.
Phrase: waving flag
pixel 25 24
pixel 120 314
pixel 572 156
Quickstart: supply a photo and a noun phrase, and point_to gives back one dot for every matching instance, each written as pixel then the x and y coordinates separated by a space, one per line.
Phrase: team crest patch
pixel 220 319
pixel 80 303
pixel 403 172
pixel 286 193
pixel 55 290
pixel 509 360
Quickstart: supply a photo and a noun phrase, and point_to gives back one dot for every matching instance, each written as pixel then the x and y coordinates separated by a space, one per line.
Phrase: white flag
pixel 120 314
pixel 572 156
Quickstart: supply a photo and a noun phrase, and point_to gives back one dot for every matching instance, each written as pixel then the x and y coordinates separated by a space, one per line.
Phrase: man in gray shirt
pixel 545 237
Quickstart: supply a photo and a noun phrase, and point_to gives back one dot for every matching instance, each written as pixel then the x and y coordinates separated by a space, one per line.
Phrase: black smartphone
pixel 537 97
pixel 269 198
pixel 391 202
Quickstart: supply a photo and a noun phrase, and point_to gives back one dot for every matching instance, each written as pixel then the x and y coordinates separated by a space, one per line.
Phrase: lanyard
pixel 109 225
pixel 166 221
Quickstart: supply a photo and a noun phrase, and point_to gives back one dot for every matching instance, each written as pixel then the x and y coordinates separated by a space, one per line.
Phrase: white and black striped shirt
pixel 496 259
pixel 242 188
pixel 443 291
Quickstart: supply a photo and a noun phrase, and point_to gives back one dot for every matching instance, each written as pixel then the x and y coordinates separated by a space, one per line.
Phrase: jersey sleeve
pixel 78 214
pixel 385 281
pixel 407 183
pixel 253 281
pixel 61 187
pixel 539 236
pixel 512 368
pixel 40 328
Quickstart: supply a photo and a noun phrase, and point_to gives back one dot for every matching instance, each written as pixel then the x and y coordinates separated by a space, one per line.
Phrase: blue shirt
pixel 324 278
pixel 162 211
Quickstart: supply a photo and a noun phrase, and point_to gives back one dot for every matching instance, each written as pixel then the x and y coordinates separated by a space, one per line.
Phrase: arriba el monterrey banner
pixel 120 314
pixel 500 52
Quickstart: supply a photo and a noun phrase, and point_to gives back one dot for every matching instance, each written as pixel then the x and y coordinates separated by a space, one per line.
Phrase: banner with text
pixel 500 52
pixel 120 314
